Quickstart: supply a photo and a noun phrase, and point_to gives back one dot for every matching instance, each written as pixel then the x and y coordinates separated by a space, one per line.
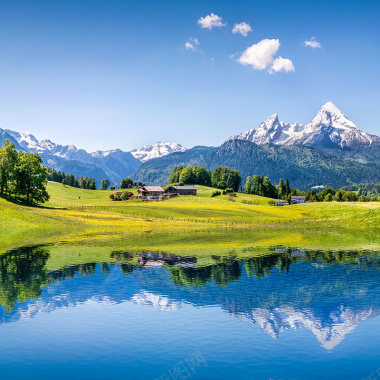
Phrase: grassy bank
pixel 85 216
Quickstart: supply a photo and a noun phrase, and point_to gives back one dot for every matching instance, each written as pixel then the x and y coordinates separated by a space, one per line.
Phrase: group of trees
pixel 366 189
pixel 260 185
pixel 22 175
pixel 70 180
pixel 221 178
pixel 224 178
pixel 329 195
pixel 194 175
pixel 126 183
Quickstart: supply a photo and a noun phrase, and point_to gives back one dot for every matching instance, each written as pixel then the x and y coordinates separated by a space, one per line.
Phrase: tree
pixel 269 190
pixel 281 188
pixel 174 177
pixel 248 185
pixel 125 195
pixel 287 188
pixel 202 176
pixel 187 175
pixel 125 183
pixel 31 178
pixel 104 184
pixel 8 160
pixel 223 177
pixel 82 183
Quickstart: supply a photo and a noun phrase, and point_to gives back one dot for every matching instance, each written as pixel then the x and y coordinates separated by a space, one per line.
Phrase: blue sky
pixel 107 74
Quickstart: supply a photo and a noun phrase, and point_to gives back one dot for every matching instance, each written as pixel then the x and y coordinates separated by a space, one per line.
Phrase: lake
pixel 287 313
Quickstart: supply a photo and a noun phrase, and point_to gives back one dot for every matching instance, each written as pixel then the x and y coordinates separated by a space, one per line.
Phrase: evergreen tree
pixel 287 188
pixel 248 185
pixel 281 188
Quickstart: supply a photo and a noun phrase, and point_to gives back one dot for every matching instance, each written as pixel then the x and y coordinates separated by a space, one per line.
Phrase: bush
pixel 112 188
pixel 216 193
pixel 125 195
pixel 272 203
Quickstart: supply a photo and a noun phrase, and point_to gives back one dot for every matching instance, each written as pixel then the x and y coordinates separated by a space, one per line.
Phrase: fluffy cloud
pixel 242 28
pixel 210 21
pixel 189 46
pixel 260 55
pixel 281 64
pixel 313 43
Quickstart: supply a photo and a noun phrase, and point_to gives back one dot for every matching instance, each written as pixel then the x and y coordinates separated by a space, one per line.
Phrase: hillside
pixel 76 216
pixel 303 166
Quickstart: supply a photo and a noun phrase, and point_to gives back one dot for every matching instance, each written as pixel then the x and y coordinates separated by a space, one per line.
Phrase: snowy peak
pixel 149 152
pixel 330 128
pixel 30 143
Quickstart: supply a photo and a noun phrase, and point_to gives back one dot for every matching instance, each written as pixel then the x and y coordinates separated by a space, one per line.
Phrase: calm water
pixel 288 315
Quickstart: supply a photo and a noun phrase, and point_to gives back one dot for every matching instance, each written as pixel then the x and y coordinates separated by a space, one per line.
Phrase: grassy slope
pixel 75 216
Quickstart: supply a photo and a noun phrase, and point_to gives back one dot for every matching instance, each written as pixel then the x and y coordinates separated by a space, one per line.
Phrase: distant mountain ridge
pixel 149 152
pixel 114 164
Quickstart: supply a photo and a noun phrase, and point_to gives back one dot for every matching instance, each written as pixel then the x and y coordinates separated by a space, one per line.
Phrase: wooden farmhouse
pixel 151 192
pixel 182 190
pixel 295 199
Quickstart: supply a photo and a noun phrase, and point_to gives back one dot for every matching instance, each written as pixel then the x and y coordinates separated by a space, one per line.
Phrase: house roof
pixel 153 188
pixel 298 197
pixel 184 187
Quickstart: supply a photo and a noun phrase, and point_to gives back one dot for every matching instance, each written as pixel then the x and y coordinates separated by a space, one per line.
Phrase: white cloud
pixel 282 64
pixel 313 43
pixel 242 28
pixel 189 46
pixel 210 21
pixel 260 55
pixel 195 40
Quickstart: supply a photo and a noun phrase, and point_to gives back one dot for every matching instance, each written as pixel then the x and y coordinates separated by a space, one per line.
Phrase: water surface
pixel 289 314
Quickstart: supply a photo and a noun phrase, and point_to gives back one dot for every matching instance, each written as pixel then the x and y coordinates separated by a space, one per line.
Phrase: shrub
pixel 112 188
pixel 216 193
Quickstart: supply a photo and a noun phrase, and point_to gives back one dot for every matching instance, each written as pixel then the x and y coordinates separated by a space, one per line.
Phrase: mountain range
pixel 114 164
pixel 329 151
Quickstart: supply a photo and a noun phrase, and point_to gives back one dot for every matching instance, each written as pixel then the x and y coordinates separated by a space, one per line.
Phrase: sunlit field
pixel 76 215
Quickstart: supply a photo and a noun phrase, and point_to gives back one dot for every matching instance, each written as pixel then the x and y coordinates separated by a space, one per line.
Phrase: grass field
pixel 79 216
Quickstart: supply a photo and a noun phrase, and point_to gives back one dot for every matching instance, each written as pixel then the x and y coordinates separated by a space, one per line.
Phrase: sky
pixel 121 74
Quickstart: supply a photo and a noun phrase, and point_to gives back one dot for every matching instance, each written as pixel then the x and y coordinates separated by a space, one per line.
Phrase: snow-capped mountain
pixel 149 152
pixel 330 128
pixel 329 332
pixel 114 164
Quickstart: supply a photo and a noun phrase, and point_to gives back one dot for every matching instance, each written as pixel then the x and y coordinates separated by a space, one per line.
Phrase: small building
pixel 233 195
pixel 182 190
pixel 151 192
pixel 295 199
pixel 281 202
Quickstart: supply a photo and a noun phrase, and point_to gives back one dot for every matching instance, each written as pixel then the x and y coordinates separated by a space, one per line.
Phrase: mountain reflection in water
pixel 329 293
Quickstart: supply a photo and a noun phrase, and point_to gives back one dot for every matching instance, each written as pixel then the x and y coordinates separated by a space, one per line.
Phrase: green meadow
pixel 184 225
